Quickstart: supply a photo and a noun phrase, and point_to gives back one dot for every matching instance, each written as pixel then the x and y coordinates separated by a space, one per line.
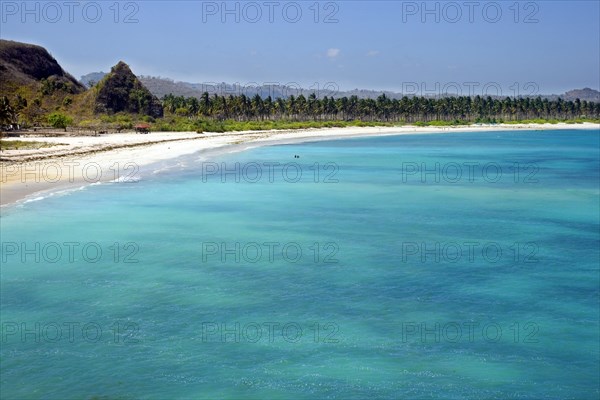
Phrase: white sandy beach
pixel 79 160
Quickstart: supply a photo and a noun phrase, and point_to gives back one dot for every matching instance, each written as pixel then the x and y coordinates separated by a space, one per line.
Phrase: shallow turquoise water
pixel 366 280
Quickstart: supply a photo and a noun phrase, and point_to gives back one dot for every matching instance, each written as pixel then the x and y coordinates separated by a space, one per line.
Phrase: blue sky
pixel 516 47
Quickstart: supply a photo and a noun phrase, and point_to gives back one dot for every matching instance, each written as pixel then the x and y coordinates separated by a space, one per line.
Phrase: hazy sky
pixel 424 47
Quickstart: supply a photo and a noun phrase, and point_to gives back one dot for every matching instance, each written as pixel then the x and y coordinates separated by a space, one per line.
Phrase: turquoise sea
pixel 457 266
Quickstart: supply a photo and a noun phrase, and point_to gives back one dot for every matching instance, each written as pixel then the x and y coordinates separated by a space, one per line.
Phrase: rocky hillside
pixel 31 65
pixel 121 91
pixel 34 84
pixel 583 94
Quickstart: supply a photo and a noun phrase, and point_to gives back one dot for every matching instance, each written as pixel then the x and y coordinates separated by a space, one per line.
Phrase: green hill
pixel 34 83
pixel 34 86
pixel 121 91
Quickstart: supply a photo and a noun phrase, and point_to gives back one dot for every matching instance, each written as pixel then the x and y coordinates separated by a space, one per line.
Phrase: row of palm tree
pixel 406 109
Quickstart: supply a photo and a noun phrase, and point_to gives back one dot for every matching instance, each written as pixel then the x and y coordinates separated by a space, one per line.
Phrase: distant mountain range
pixel 581 94
pixel 160 87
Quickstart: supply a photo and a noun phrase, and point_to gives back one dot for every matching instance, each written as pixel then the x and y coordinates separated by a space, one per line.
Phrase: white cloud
pixel 333 53
pixel 372 53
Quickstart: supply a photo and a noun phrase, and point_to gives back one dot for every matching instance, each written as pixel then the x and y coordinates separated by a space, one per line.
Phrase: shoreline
pixel 77 161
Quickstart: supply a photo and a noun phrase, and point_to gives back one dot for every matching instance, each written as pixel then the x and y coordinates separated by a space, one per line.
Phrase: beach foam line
pixel 58 193
pixel 123 179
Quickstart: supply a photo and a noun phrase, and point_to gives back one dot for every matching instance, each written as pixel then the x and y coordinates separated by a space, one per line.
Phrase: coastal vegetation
pixel 240 113
pixel 408 110
pixel 37 92
pixel 59 121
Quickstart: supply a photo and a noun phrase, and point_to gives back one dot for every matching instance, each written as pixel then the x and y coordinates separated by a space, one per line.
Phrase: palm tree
pixel 193 106
pixel 8 114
